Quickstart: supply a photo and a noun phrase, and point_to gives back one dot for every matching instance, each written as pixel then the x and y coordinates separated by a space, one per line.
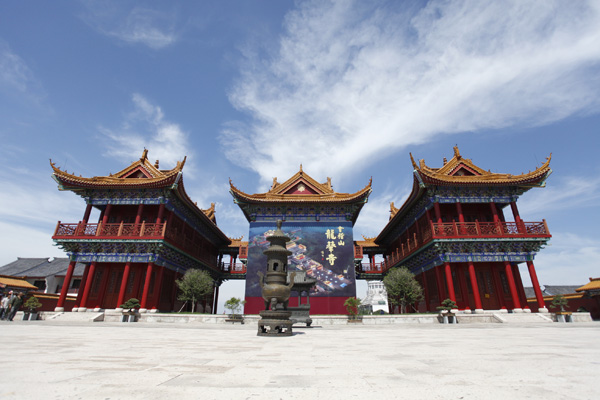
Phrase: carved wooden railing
pixel 456 230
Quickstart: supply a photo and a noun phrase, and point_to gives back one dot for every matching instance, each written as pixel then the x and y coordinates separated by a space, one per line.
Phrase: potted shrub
pixel 561 302
pixel 446 314
pixel 351 305
pixel 31 306
pixel 234 305
pixel 130 308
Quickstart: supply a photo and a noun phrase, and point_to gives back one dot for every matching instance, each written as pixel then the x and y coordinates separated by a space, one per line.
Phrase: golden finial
pixel 144 154
pixel 156 164
pixel 456 152
pixel 413 161
pixel 300 167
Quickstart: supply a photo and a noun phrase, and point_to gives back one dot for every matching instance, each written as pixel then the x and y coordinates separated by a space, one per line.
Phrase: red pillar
pixel 146 285
pixel 65 288
pixel 157 287
pixel 103 286
pixel 474 286
pixel 461 217
pixel 425 290
pixel 494 212
pixel 88 285
pixel 449 282
pixel 438 214
pixel 106 214
pixel 520 288
pixel 440 287
pixel 511 284
pixel 161 211
pixel 82 286
pixel 517 217
pixel 536 285
pixel 123 287
pixel 86 215
pixel 138 215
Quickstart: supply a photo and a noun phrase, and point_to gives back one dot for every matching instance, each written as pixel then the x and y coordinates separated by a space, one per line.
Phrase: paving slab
pixel 70 360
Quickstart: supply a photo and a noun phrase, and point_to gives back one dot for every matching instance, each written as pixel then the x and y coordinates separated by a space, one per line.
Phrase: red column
pixel 425 290
pixel 474 286
pixel 161 211
pixel 449 282
pixel 536 285
pixel 65 289
pixel 440 287
pixel 123 287
pixel 157 287
pixel 516 216
pixel 511 284
pixel 461 217
pixel 103 285
pixel 438 214
pixel 82 285
pixel 146 285
pixel 138 215
pixel 494 212
pixel 86 215
pixel 106 214
pixel 520 288
pixel 88 285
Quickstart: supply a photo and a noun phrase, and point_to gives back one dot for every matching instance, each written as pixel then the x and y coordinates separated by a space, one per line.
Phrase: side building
pixel 452 234
pixel 320 223
pixel 149 232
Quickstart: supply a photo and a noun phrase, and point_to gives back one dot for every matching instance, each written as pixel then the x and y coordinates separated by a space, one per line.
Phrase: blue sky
pixel 248 90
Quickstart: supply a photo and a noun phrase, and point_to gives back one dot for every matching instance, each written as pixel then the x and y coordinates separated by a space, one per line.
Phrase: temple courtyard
pixel 77 360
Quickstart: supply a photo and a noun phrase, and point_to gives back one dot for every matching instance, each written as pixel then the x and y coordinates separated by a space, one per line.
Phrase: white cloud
pixel 569 260
pixel 16 78
pixel 140 25
pixel 568 193
pixel 147 127
pixel 351 82
pixel 376 213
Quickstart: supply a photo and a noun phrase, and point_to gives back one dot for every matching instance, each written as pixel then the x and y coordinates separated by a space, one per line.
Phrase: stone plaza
pixel 111 360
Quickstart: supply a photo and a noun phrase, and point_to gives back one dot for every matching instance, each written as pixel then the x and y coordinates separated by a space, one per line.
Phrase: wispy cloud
pixel 376 213
pixel 568 252
pixel 352 81
pixel 568 193
pixel 17 78
pixel 139 25
pixel 147 127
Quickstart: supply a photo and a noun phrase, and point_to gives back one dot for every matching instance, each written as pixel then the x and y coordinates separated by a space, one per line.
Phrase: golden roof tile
pixel 593 284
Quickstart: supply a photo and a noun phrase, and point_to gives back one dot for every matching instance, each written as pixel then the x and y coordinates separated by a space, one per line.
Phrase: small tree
pixel 447 305
pixel 32 304
pixel 560 302
pixel 234 304
pixel 194 285
pixel 131 304
pixel 351 305
pixel 402 288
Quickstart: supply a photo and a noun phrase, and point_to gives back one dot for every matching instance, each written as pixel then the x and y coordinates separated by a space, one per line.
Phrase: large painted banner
pixel 325 251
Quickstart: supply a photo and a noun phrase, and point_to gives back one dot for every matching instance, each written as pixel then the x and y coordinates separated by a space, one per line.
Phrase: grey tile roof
pixel 552 290
pixel 40 267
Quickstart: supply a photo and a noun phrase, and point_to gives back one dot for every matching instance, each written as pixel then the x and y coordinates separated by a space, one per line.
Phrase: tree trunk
pixel 193 303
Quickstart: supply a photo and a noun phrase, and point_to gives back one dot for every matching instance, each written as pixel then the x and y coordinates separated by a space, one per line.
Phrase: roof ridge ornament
pixel 144 154
pixel 457 153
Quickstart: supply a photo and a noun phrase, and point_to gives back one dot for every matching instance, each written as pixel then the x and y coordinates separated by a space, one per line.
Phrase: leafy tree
pixel 351 305
pixel 32 304
pixel 131 304
pixel 560 302
pixel 402 288
pixel 234 304
pixel 194 285
pixel 447 305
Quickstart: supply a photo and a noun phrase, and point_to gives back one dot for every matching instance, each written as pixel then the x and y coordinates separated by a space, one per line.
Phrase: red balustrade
pixel 237 268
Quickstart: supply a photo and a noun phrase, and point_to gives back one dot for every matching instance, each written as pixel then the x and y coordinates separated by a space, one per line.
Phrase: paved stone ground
pixel 53 360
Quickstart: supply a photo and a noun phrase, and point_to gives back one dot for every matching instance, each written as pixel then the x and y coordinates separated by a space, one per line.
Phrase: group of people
pixel 10 304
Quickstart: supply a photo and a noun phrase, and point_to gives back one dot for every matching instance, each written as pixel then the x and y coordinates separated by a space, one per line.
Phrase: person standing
pixel 4 306
pixel 15 304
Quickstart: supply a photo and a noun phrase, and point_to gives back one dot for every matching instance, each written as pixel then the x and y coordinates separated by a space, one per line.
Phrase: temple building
pixel 148 234
pixel 452 234
pixel 320 223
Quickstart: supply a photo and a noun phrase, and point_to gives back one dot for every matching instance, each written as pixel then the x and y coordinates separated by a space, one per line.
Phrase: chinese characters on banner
pixel 334 239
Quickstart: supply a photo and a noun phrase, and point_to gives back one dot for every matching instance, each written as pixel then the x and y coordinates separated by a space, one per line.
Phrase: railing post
pixel 477 228
pixel 415 236
pixel 164 229
pixel 142 228
pixel 120 229
pixel 99 228
pixel 545 227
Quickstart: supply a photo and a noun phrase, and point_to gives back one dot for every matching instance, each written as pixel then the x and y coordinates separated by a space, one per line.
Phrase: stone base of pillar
pixel 517 310
pixel 527 310
pixel 503 310
pixel 543 310
pixel 59 309
pixel 97 309
pixel 75 309
pixel 82 309
pixel 478 311
pixel 143 310
pixel 467 311
pixel 154 310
